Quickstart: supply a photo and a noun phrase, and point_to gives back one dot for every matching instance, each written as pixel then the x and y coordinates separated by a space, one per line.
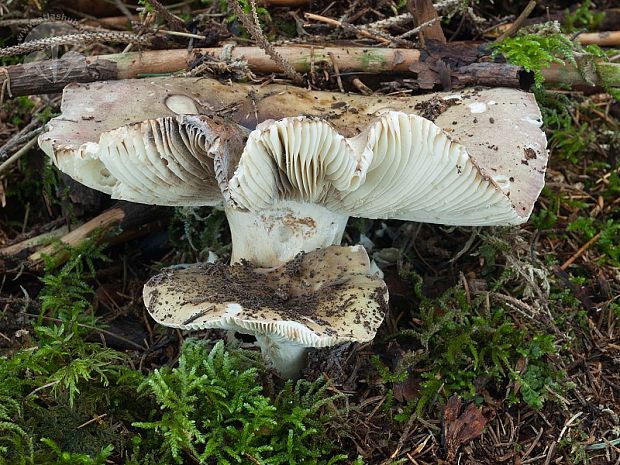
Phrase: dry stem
pixel 514 28
pixel 74 39
pixel 255 31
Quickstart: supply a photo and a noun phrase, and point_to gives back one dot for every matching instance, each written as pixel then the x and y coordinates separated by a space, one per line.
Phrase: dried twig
pixel 363 88
pixel 173 21
pixel 33 22
pixel 337 72
pixel 376 28
pixel 392 21
pixel 580 252
pixel 399 40
pixel 50 76
pixel 514 28
pixel 255 31
pixel 404 18
pixel 421 27
pixel 375 35
pixel 17 155
pixel 30 130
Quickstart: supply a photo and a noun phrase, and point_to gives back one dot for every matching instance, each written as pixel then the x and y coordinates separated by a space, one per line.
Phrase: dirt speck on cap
pixel 530 153
pixel 435 106
pixel 293 291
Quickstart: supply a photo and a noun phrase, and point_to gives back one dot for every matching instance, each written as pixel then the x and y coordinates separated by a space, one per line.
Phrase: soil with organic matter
pixel 499 345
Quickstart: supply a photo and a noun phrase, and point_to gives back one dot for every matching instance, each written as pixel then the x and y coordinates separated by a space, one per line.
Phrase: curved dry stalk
pixel 75 39
pixel 255 31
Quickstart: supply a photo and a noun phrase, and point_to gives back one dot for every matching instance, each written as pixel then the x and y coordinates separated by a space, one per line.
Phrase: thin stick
pixel 580 252
pixel 337 72
pixel 346 26
pixel 17 155
pixel 174 21
pixel 74 39
pixel 422 26
pixel 22 136
pixel 514 28
pixel 37 78
pixel 187 35
pixel 363 88
pixel 92 420
pixel 255 31
pixel 392 21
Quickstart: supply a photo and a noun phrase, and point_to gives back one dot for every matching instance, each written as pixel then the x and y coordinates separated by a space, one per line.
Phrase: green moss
pixel 213 409
pixel 583 17
pixel 534 52
pixel 467 347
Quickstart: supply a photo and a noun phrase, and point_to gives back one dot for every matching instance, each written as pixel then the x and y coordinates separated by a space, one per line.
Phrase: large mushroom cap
pixel 319 299
pixel 418 173
pixel 171 160
pixel 499 127
pixel 302 159
pixel 402 166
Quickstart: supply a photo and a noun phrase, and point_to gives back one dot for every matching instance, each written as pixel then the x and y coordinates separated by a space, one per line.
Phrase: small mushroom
pixel 318 299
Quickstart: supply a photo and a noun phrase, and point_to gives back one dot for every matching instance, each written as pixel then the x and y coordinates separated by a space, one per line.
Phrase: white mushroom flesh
pixel 403 166
pixel 272 236
pixel 418 173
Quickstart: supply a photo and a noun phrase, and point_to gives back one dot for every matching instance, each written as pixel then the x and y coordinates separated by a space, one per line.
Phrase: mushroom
pixel 318 299
pixel 296 181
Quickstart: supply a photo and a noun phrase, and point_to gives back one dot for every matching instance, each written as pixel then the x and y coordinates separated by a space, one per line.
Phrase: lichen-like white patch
pixel 453 96
pixel 491 102
pixel 502 181
pixel 535 121
pixel 477 107
pixel 233 309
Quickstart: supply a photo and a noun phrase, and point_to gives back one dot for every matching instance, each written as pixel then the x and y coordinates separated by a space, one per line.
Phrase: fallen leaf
pixel 460 428
pixel 407 390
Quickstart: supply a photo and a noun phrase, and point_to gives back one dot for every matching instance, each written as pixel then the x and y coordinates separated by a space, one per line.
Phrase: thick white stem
pixel 272 237
pixel 286 357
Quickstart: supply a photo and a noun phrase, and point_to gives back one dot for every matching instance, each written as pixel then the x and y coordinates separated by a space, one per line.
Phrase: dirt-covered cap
pixel 319 299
